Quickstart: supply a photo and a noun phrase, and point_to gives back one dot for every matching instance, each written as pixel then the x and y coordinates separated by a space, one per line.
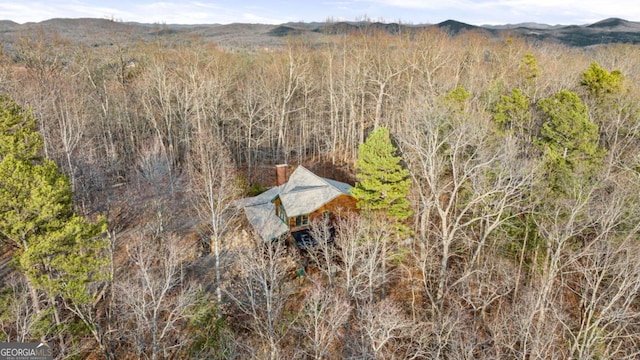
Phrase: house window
pixel 281 213
pixel 302 220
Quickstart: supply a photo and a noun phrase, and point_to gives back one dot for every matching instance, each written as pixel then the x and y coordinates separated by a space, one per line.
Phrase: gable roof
pixel 265 197
pixel 260 212
pixel 304 193
pixel 264 220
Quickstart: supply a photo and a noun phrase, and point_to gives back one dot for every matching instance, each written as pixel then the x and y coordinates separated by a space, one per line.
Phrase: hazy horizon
pixel 476 12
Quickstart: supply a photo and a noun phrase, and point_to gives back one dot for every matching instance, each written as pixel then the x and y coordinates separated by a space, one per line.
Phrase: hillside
pixel 99 32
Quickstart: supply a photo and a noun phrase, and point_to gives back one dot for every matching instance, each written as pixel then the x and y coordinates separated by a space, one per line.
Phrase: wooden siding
pixel 343 204
pixel 276 203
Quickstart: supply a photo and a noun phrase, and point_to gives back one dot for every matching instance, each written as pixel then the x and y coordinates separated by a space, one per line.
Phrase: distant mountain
pixel 8 24
pixel 528 25
pixel 284 30
pixel 337 28
pixel 456 27
pixel 608 23
pixel 310 25
pixel 616 24
pixel 101 32
pixel 602 32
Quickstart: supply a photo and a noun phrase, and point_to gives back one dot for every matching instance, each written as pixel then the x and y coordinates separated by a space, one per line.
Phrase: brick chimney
pixel 282 174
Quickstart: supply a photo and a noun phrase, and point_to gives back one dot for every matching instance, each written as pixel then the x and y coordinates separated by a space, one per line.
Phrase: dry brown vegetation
pixel 159 136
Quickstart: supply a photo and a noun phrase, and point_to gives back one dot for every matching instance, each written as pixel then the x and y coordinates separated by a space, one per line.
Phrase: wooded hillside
pixel 522 241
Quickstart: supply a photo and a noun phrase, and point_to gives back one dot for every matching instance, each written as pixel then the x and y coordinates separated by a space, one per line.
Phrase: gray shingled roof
pixel 304 193
pixel 264 220
pixel 265 197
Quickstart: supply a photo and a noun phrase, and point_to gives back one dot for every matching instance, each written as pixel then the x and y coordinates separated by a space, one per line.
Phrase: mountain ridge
pixel 97 32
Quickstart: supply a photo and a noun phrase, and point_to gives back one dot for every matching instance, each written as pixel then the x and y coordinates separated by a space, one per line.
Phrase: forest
pixel 119 165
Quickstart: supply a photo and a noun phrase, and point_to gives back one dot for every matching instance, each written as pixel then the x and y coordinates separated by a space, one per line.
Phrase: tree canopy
pixel 599 82
pixel 512 113
pixel 569 140
pixel 57 249
pixel 383 184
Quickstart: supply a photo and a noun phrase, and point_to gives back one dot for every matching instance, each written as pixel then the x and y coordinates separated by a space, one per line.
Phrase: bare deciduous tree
pixel 467 187
pixel 383 325
pixel 155 297
pixel 322 320
pixel 260 293
pixel 360 258
pixel 18 316
pixel 214 184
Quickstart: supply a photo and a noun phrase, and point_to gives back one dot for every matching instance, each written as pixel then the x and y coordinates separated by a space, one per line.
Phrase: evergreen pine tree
pixel 382 183
pixel 56 249
pixel 511 112
pixel 600 83
pixel 569 141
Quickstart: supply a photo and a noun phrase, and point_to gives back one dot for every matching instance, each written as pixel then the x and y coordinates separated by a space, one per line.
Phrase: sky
pixel 476 12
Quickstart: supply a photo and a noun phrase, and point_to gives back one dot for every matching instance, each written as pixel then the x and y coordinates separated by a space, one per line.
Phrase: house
pixel 295 202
